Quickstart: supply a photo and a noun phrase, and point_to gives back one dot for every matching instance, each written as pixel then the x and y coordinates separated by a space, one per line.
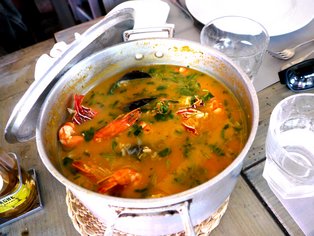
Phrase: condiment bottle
pixel 17 188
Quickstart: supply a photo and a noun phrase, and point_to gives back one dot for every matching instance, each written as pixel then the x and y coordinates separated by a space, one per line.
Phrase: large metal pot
pixel 164 215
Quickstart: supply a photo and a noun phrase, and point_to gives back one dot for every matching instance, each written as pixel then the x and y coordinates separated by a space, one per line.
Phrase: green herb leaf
pixel 114 104
pixel 114 144
pixel 165 152
pixel 217 150
pixel 142 190
pixel 67 161
pixel 161 87
pixel 89 134
pixel 163 117
pixel 162 107
pixel 189 87
pixel 207 96
pixel 187 148
pixel 137 129
pixel 191 176
pixel 237 127
pixel 223 131
pixel 113 87
pixel 192 76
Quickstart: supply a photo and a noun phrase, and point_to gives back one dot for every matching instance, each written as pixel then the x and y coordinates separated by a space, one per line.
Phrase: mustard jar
pixel 17 188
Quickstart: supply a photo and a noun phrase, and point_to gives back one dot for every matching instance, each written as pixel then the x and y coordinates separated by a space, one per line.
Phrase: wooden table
pixel 252 210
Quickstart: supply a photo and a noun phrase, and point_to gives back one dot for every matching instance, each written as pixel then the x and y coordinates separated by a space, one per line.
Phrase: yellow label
pixel 15 200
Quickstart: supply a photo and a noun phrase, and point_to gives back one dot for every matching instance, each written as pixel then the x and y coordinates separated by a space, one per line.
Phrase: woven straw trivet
pixel 87 224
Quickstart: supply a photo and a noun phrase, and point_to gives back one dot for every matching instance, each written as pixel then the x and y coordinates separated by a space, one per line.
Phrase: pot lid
pixel 21 125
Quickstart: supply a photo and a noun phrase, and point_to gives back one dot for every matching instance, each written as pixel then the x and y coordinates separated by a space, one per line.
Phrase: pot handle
pixel 165 31
pixel 181 208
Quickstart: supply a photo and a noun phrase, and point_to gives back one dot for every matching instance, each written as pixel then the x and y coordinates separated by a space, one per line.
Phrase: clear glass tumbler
pixel 289 168
pixel 240 38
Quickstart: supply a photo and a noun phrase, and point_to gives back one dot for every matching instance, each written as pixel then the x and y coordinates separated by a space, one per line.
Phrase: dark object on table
pixel 298 77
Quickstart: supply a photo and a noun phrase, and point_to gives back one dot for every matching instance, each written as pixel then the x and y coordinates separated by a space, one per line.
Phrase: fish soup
pixel 151 132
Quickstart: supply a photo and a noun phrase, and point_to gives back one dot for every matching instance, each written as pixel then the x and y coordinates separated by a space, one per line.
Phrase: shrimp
pixel 189 112
pixel 190 118
pixel 120 124
pixel 104 178
pixel 92 171
pixel 120 177
pixel 81 113
pixel 216 106
pixel 67 136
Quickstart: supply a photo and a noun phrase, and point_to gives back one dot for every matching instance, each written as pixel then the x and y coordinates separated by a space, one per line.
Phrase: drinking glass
pixel 289 167
pixel 240 38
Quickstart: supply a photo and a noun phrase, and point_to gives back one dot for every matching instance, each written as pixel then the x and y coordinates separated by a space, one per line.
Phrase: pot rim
pixel 174 198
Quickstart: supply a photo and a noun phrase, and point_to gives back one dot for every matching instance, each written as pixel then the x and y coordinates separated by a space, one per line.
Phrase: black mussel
pixel 135 75
pixel 127 77
pixel 138 103
pixel 135 150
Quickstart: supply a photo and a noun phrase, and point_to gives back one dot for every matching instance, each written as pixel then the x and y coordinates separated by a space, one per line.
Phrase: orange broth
pixel 172 149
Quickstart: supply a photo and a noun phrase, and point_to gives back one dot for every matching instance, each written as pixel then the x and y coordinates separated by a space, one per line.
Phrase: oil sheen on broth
pixel 152 136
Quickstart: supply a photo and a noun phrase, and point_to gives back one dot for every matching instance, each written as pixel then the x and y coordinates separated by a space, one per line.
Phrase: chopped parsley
pixel 165 152
pixel 136 129
pixel 89 134
pixel 217 150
